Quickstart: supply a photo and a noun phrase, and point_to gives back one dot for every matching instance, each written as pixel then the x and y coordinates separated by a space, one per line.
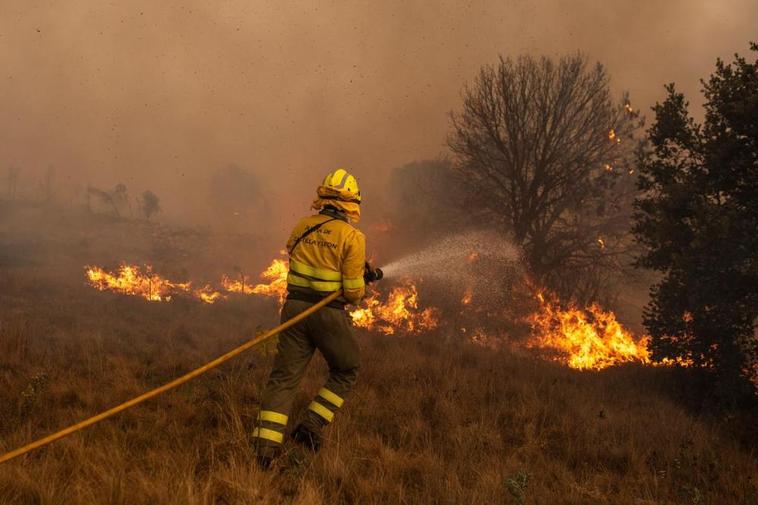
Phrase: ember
pixel 468 295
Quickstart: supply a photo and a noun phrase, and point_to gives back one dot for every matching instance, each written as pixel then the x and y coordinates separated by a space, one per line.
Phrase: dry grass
pixel 434 420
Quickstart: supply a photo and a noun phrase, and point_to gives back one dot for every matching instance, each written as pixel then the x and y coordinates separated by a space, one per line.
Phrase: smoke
pixel 161 95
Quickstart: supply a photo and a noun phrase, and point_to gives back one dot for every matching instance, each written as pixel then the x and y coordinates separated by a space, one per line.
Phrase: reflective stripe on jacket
pixel 330 258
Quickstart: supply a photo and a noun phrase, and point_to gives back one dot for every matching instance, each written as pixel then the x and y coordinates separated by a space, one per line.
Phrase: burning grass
pixel 131 280
pixel 582 338
pixel 398 312
pixel 275 274
pixel 432 420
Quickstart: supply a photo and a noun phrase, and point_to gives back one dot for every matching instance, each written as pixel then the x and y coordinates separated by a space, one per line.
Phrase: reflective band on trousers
pixel 267 434
pixel 331 397
pixel 323 274
pixel 273 417
pixel 296 280
pixel 322 411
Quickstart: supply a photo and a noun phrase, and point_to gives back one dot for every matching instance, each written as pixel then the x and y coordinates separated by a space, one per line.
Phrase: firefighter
pixel 326 253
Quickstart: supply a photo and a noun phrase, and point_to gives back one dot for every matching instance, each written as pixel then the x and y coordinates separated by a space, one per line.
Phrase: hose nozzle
pixel 372 274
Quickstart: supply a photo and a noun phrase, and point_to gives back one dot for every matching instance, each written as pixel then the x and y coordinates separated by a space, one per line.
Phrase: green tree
pixel 697 218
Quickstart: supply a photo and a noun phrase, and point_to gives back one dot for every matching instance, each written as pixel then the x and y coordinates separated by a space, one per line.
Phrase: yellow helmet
pixel 340 185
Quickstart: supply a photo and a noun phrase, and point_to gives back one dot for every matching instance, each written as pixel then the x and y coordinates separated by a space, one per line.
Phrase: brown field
pixel 434 419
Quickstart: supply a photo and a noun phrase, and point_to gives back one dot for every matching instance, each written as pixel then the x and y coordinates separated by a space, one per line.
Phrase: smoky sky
pixel 159 95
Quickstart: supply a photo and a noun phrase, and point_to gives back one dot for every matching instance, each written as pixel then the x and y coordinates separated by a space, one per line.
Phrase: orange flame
pixel 275 273
pixel 584 339
pixel 130 280
pixel 207 294
pixel 400 312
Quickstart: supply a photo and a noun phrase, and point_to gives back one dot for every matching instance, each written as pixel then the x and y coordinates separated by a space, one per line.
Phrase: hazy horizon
pixel 161 95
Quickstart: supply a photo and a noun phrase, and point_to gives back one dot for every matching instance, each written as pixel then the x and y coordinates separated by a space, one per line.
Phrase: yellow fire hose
pixel 171 385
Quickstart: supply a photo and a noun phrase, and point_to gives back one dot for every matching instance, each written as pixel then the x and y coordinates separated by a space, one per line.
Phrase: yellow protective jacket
pixel 331 258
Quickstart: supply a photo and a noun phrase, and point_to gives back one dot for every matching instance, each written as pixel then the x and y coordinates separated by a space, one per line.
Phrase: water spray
pixel 448 258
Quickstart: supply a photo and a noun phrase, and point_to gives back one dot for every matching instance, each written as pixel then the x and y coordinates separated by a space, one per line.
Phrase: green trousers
pixel 328 330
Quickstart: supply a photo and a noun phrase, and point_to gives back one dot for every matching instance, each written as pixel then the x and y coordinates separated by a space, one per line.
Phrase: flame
pixel 275 274
pixel 589 338
pixel 583 338
pixel 207 294
pixel 400 312
pixel 130 280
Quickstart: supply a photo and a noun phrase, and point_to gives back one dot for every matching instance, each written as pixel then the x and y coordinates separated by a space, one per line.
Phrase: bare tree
pixel 104 197
pixel 114 199
pixel 120 198
pixel 546 155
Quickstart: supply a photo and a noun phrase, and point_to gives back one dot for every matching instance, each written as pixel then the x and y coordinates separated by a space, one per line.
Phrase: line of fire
pixel 584 338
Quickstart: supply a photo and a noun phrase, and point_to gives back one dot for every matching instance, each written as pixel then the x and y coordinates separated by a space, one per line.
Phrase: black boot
pixel 307 438
pixel 265 454
pixel 264 462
